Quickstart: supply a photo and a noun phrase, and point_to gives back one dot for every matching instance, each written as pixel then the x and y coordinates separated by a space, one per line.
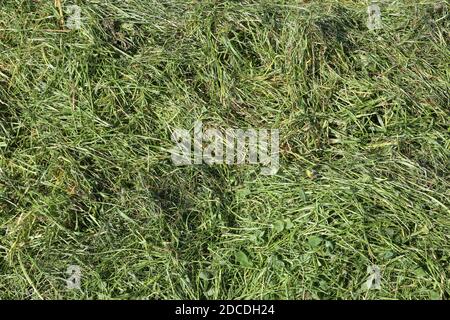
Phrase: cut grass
pixel 86 179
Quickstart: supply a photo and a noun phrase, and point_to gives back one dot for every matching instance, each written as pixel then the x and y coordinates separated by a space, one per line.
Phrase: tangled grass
pixel 86 178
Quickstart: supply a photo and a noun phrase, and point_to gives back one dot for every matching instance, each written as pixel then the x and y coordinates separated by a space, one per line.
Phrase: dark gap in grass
pixel 336 31
pixel 115 35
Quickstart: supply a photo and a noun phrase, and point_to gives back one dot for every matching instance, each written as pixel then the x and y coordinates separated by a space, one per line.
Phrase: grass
pixel 86 179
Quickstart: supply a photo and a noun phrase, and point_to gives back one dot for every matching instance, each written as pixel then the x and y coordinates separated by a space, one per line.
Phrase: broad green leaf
pixel 278 226
pixel 314 241
pixel 242 258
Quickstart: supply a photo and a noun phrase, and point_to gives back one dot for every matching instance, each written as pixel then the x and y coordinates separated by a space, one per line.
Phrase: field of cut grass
pixel 86 179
